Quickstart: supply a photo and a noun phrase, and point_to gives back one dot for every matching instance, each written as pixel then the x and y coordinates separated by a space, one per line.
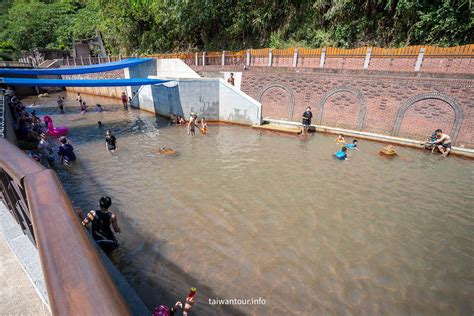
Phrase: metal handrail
pixel 76 279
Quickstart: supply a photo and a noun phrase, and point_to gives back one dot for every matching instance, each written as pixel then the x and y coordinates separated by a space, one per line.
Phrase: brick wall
pixel 401 105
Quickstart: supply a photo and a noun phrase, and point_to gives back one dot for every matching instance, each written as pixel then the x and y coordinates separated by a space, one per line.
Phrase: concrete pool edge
pixel 458 151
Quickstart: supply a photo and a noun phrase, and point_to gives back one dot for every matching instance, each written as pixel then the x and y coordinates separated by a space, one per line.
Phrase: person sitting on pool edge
pixel 66 151
pixel 98 108
pixel 353 145
pixel 340 139
pixel 442 143
pixel 101 221
pixel 341 154
pixel 110 141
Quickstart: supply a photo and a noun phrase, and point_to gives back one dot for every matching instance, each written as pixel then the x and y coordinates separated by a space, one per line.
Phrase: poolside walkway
pixel 18 296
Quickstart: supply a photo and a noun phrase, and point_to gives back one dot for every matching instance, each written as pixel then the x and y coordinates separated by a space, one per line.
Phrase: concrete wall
pixel 212 98
pixel 174 68
pixel 236 106
pixel 185 96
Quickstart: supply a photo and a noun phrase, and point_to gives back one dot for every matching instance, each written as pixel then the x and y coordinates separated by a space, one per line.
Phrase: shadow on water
pixel 156 279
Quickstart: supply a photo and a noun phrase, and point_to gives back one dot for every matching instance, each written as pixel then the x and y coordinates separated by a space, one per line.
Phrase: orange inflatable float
pixel 388 151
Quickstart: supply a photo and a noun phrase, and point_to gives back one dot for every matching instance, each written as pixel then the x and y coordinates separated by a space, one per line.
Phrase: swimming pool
pixel 245 214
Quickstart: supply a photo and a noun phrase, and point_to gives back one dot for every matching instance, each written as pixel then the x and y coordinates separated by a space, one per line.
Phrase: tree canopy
pixel 145 26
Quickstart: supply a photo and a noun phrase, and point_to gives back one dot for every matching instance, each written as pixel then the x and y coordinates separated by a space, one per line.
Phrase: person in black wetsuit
pixel 110 142
pixel 101 221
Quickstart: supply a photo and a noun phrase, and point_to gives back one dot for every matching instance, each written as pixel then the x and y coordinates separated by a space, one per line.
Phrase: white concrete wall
pixel 212 98
pixel 174 68
pixel 236 106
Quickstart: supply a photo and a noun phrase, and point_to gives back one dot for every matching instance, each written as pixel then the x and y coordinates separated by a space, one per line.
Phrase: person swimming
pixel 341 154
pixel 101 221
pixel 99 124
pixel 353 145
pixel 340 139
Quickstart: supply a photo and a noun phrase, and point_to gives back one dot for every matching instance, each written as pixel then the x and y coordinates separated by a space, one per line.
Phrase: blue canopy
pixel 75 70
pixel 79 82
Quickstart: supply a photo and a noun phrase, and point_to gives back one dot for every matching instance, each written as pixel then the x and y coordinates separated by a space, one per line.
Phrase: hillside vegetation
pixel 154 26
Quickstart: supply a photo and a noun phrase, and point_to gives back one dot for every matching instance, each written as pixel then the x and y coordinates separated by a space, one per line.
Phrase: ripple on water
pixel 241 214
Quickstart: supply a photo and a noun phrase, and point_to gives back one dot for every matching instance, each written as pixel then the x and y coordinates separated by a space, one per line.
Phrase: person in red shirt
pixel 124 101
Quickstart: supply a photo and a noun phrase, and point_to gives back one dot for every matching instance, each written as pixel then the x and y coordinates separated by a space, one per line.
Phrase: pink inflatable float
pixel 55 131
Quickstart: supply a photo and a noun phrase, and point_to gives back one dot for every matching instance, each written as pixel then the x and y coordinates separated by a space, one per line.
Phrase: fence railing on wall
pixel 409 58
pixel 76 279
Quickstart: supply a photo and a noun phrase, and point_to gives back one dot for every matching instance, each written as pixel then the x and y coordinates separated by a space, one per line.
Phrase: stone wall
pixel 406 106
pixel 112 92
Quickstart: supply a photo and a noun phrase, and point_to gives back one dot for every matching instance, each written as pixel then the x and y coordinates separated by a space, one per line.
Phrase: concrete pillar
pixel 419 60
pixel 99 60
pixel 108 58
pixel 270 57
pixel 367 57
pixel 90 60
pixel 67 59
pixel 75 64
pixel 295 57
pixel 196 59
pixel 223 58
pixel 323 57
pixel 204 58
pixel 82 61
pixel 120 57
pixel 247 58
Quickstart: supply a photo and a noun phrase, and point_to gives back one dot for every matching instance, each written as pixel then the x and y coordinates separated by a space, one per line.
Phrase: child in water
pixel 192 124
pixel 340 139
pixel 110 142
pixel 203 126
pixel 353 145
pixel 341 154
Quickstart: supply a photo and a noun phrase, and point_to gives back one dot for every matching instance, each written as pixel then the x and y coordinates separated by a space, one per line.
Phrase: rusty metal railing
pixel 76 279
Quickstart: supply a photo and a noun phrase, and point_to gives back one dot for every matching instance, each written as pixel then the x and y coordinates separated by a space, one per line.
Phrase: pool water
pixel 242 214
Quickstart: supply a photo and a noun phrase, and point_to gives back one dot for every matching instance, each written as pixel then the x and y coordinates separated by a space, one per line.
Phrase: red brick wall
pixel 382 93
pixel 447 65
pixel 425 116
pixel 286 61
pixel 341 110
pixel 344 62
pixel 277 103
pixel 393 64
